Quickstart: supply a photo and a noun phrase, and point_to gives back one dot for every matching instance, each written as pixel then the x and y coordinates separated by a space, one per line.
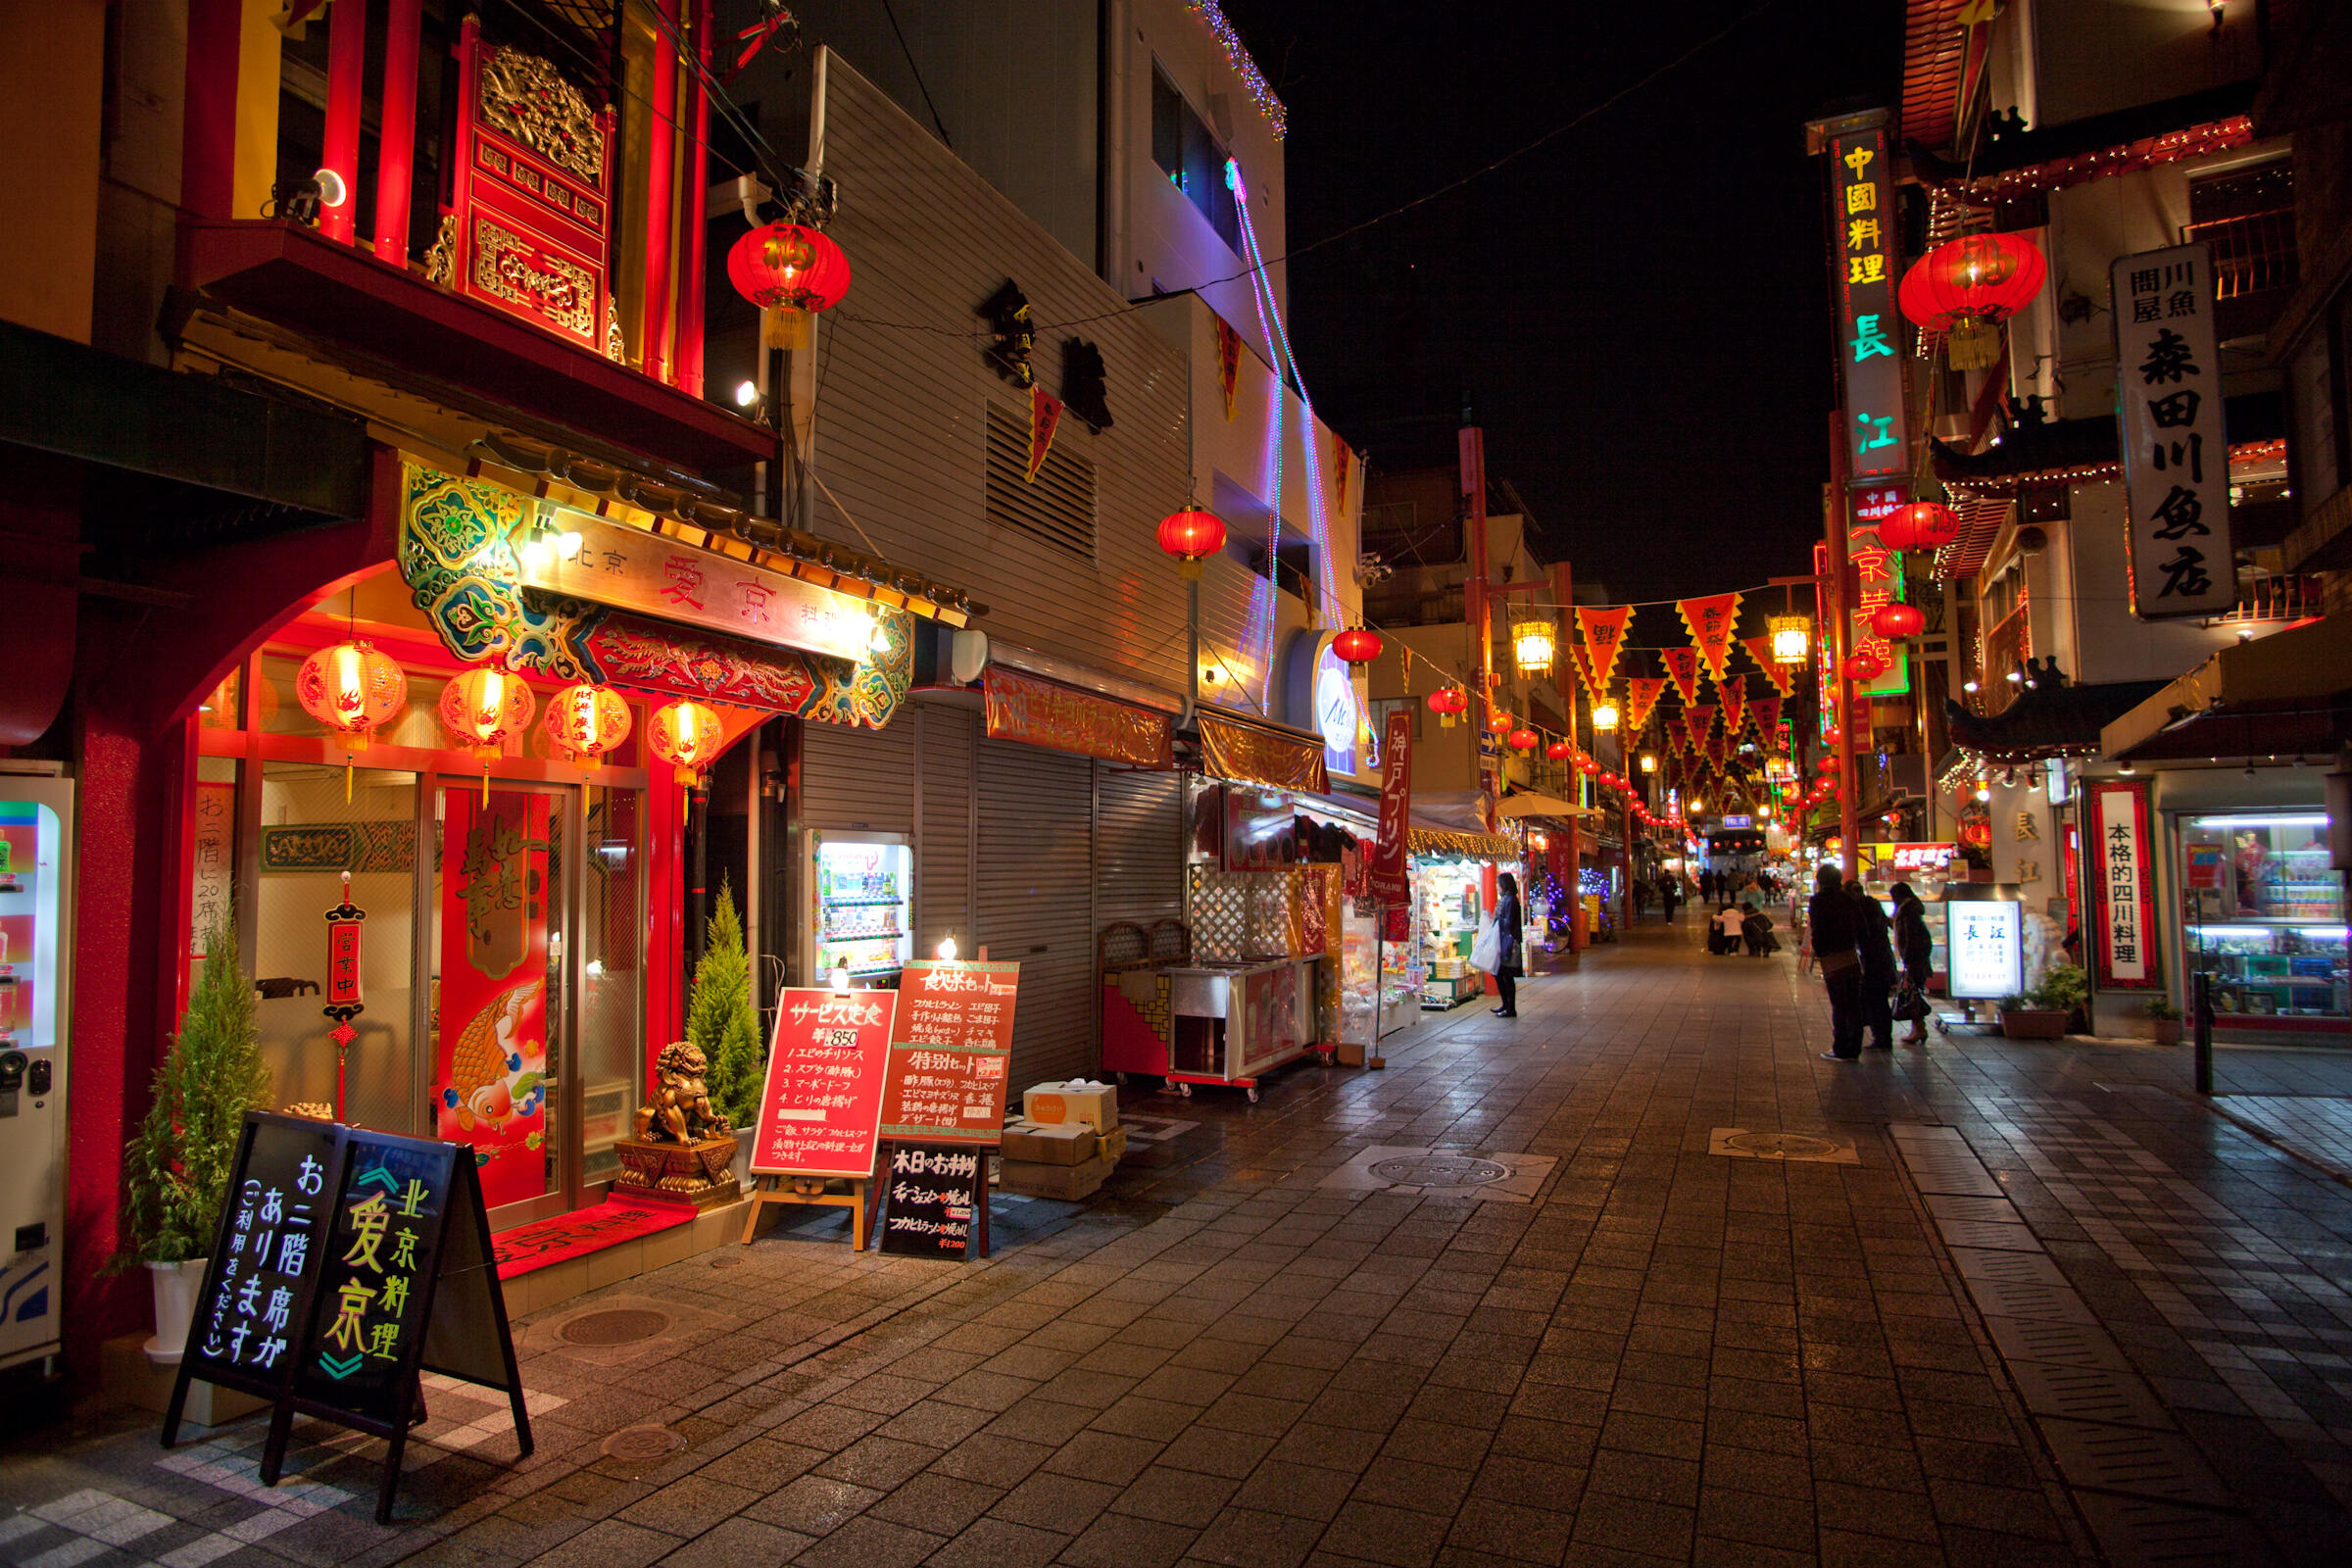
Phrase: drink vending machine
pixel 36 918
pixel 860 910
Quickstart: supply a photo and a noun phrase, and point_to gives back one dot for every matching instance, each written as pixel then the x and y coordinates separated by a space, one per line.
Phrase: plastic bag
pixel 1486 951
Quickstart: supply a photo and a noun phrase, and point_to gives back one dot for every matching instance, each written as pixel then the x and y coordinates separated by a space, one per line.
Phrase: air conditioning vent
pixel 1059 506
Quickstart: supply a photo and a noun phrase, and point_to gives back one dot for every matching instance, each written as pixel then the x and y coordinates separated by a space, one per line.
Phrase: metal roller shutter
pixel 945 810
pixel 1137 828
pixel 859 778
pixel 1035 885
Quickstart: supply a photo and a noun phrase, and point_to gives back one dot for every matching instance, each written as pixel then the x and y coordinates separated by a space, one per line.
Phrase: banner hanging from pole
pixel 1603 630
pixel 1390 883
pixel 1642 694
pixel 1783 676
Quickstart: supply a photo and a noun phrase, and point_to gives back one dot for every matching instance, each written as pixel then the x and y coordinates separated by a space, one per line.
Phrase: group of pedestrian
pixel 1862 955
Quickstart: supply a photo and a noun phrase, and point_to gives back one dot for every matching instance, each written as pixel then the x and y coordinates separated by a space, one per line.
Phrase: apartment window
pixel 2248 217
pixel 1058 505
pixel 1192 159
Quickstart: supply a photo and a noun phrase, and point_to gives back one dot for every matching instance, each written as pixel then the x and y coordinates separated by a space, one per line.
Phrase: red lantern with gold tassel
pixel 687 736
pixel 483 708
pixel 587 722
pixel 790 272
pixel 354 689
pixel 1449 702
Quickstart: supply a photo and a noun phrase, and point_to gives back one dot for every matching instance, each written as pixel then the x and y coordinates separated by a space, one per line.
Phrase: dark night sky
pixel 1637 310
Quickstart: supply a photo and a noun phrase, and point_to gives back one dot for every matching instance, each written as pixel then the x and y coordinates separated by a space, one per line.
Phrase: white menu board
pixel 1985 942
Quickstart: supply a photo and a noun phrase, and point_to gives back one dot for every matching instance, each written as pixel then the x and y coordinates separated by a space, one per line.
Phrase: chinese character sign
pixel 1713 621
pixel 823 1096
pixel 1985 943
pixel 2168 395
pixel 1863 235
pixel 381 1246
pixel 951 1052
pixel 1390 882
pixel 269 1253
pixel 931 1200
pixel 2121 885
pixel 211 855
pixel 1875 575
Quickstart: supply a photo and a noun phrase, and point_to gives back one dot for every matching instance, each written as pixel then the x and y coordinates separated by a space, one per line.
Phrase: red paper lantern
pixel 1896 621
pixel 587 722
pixel 1498 721
pixel 351 688
pixel 1190 535
pixel 1865 666
pixel 687 736
pixel 1523 740
pixel 1921 525
pixel 1559 751
pixel 788 267
pixel 484 707
pixel 1449 702
pixel 1358 645
pixel 1967 288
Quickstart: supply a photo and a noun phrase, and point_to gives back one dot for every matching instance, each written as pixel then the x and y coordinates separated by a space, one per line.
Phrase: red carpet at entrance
pixel 545 1242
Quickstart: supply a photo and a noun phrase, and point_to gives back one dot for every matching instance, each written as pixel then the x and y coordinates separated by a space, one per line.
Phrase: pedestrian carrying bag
pixel 1486 951
pixel 1909 1003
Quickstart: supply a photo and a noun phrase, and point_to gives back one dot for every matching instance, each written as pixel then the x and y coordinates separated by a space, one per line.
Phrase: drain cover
pixel 638 1443
pixel 1781 1145
pixel 1441 1170
pixel 624 1325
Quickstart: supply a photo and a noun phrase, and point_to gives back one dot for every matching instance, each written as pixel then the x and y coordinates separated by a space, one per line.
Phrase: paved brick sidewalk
pixel 1498 1304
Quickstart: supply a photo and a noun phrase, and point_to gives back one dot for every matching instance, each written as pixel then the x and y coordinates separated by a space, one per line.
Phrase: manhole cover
pixel 622 1326
pixel 1781 1145
pixel 1440 1170
pixel 638 1443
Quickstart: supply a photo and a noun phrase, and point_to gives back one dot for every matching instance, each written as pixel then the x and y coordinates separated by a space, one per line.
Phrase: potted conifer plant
pixel 2164 1019
pixel 176 1169
pixel 723 1022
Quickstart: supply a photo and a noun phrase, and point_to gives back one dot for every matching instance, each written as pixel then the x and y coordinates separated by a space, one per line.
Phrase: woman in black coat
pixel 1913 944
pixel 1509 927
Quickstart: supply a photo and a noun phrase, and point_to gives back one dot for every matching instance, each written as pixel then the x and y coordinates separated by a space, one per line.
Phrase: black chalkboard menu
pixel 934 1195
pixel 348 1263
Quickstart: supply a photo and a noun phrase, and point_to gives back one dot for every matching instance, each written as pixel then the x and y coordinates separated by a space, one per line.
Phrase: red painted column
pixel 396 136
pixel 698 200
pixel 346 62
pixel 208 172
pixel 661 196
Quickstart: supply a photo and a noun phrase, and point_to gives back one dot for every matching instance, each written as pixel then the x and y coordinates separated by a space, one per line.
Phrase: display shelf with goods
pixel 861 889
pixel 1448 907
pixel 2265 915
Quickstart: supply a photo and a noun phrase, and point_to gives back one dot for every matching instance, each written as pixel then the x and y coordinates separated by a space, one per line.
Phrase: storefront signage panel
pixel 212 856
pixel 2123 891
pixel 1877 582
pixel 934 1197
pixel 950 1054
pixel 1391 873
pixel 1064 720
pixel 821 1103
pixel 1986 947
pixel 634 569
pixel 1863 258
pixel 2167 378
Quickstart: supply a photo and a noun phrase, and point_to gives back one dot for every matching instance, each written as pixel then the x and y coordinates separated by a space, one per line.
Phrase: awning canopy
pixel 1471 845
pixel 2288 694
pixel 1522 803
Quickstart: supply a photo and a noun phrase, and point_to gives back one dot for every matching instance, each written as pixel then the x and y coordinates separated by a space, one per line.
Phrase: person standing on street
pixel 1508 932
pixel 1670 894
pixel 1835 929
pixel 1913 944
pixel 1878 967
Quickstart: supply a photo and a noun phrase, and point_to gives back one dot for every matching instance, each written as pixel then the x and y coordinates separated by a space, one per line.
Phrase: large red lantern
pixel 1498 721
pixel 789 270
pixel 1896 621
pixel 1864 666
pixel 1921 525
pixel 1449 702
pixel 587 722
pixel 1523 740
pixel 1358 645
pixel 1559 751
pixel 1189 535
pixel 1967 288
pixel 354 689
pixel 687 736
pixel 482 709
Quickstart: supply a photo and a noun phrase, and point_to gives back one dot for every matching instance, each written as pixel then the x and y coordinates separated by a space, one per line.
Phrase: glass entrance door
pixel 500 1076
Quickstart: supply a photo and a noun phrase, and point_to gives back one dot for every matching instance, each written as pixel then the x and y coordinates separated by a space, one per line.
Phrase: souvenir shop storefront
pixel 486 749
pixel 1453 885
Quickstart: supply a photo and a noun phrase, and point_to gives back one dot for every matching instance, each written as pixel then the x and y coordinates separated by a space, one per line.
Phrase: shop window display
pixel 2266 913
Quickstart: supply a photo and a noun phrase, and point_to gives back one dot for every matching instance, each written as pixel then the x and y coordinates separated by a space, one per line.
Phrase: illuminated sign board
pixel 1985 942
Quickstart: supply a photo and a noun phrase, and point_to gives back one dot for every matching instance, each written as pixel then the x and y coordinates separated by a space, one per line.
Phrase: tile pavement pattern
pixel 1664 1357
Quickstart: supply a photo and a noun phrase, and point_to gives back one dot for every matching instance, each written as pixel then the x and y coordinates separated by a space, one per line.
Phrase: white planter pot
pixel 176 1287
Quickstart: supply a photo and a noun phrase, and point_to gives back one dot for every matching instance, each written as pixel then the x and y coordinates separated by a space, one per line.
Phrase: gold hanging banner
pixel 1252 756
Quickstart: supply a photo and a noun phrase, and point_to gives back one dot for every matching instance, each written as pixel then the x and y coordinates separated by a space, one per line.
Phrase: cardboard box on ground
pixel 1065 1144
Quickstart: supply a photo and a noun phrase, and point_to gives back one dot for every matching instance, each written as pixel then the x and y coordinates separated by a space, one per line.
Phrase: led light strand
pixel 1287 362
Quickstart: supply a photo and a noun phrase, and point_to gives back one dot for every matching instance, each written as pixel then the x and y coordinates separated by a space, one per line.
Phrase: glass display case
pixel 2264 913
pixel 861 887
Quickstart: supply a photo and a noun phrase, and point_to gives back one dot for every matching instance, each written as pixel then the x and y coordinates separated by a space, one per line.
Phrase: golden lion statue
pixel 681 1105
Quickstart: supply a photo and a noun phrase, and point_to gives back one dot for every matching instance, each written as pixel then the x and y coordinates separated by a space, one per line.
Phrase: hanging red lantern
pixel 687 736
pixel 1967 288
pixel 1358 645
pixel 1896 621
pixel 354 689
pixel 790 272
pixel 1921 525
pixel 1864 666
pixel 1523 740
pixel 1449 702
pixel 1190 535
pixel 1498 721
pixel 1559 751
pixel 482 708
pixel 587 722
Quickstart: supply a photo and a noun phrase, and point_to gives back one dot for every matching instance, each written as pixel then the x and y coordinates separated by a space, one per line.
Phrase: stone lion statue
pixel 680 1108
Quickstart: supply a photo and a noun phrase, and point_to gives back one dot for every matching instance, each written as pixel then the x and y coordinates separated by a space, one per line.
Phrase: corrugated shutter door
pixel 859 778
pixel 1136 874
pixel 1036 903
pixel 943 875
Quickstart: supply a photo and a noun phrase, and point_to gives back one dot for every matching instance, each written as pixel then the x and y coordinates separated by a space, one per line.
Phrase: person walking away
pixel 1878 967
pixel 1835 928
pixel 1507 931
pixel 1913 943
pixel 1638 890
pixel 1669 895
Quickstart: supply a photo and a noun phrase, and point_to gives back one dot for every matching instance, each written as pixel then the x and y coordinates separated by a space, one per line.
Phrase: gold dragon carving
pixel 524 97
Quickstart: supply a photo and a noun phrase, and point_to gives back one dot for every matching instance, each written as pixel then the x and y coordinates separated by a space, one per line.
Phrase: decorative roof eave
pixel 675 512
pixel 2047 721
pixel 2104 163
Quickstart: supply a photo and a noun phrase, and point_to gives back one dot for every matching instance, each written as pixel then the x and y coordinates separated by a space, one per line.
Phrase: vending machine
pixel 36 918
pixel 861 913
